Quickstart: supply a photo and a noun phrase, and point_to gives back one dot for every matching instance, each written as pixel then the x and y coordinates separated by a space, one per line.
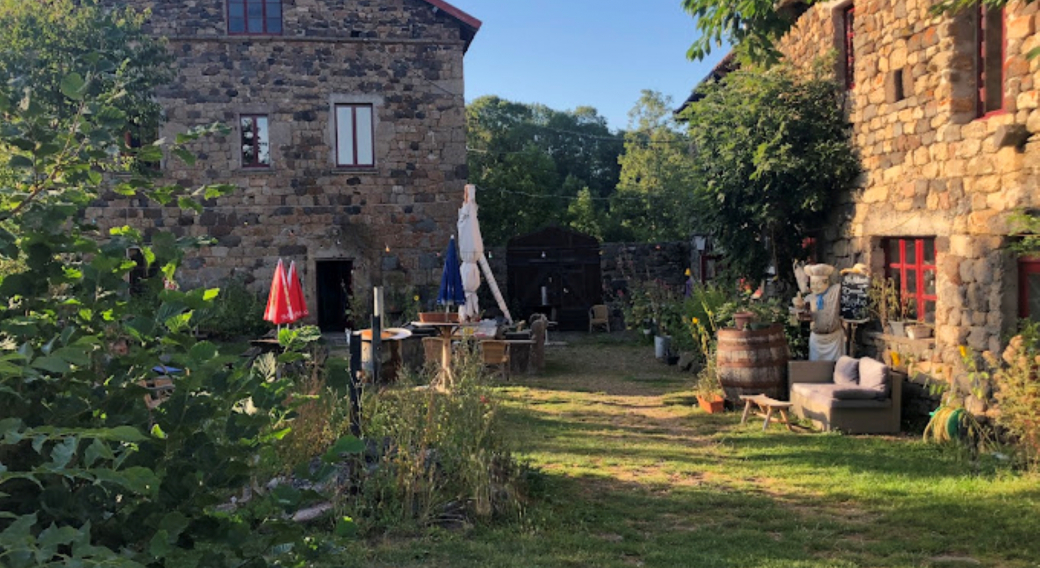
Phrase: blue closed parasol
pixel 451 291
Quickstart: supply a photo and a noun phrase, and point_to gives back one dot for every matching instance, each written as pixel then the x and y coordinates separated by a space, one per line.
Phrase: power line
pixel 564 197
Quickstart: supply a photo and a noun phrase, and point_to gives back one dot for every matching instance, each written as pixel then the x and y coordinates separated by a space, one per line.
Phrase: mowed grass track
pixel 633 474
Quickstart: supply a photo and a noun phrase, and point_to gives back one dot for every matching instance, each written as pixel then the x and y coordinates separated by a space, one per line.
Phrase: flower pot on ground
pixel 662 346
pixel 713 404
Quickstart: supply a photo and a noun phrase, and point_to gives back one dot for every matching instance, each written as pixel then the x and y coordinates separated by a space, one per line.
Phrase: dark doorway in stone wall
pixel 334 292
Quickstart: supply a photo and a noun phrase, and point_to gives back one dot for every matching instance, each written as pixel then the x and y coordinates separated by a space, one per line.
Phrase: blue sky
pixel 570 53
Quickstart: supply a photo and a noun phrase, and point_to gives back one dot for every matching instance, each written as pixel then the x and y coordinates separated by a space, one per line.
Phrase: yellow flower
pixel 416 297
pixel 963 350
pixel 696 321
pixel 895 359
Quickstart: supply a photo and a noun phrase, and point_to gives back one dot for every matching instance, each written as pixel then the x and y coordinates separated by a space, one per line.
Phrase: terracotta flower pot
pixel 714 405
pixel 438 317
pixel 742 319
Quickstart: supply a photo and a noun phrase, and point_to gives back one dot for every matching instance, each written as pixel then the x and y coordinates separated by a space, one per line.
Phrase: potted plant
pixel 708 390
pixel 891 309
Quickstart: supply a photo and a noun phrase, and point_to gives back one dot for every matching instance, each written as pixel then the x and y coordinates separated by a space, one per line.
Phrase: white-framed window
pixel 355 135
pixel 255 141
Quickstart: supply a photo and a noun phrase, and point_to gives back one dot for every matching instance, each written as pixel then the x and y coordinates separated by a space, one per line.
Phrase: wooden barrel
pixel 752 362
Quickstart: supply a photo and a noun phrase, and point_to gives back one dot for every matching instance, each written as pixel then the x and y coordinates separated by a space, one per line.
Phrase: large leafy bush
pixel 89 474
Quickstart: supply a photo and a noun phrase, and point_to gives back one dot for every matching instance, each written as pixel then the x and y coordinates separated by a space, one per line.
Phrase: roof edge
pixel 471 23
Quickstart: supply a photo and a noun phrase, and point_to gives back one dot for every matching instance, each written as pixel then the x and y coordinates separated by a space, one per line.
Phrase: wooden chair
pixel 495 353
pixel 538 331
pixel 432 351
pixel 599 315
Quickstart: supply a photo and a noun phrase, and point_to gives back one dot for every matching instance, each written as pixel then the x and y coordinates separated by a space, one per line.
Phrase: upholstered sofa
pixel 832 396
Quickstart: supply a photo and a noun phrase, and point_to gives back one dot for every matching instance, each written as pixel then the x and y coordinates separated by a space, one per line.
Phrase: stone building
pixel 348 139
pixel 947 124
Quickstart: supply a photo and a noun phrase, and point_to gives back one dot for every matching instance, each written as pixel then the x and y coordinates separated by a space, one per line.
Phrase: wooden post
pixel 354 384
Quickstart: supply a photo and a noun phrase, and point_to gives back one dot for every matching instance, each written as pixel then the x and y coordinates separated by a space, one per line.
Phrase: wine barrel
pixel 752 362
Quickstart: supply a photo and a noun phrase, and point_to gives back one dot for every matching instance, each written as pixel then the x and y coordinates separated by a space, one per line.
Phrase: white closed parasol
pixel 471 250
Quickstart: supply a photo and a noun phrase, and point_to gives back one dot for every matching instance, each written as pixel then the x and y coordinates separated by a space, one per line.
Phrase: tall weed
pixel 441 456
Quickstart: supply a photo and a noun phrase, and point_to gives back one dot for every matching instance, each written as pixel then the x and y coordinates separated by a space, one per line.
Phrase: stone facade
pixel 404 57
pixel 932 168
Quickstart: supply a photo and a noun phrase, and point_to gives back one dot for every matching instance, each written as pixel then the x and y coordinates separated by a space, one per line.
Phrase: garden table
pixel 446 330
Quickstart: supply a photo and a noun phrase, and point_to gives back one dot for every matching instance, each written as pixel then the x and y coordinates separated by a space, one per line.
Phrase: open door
pixel 334 293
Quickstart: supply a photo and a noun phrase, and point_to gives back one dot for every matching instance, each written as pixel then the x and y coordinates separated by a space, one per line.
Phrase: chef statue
pixel 827 337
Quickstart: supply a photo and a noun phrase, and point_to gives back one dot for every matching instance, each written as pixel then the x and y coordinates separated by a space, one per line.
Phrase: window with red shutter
pixel 848 51
pixel 911 262
pixel 990 51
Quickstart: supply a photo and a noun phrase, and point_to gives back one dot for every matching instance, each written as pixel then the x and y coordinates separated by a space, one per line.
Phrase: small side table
pixel 768 405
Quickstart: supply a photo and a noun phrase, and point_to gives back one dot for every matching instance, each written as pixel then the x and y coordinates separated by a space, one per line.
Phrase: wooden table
pixel 445 377
pixel 768 405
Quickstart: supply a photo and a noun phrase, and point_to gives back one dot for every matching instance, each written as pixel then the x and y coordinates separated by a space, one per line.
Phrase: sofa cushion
pixel 817 396
pixel 857 394
pixel 872 403
pixel 873 375
pixel 846 371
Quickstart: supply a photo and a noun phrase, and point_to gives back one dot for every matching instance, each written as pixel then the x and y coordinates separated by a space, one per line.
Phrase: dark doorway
pixel 563 262
pixel 334 292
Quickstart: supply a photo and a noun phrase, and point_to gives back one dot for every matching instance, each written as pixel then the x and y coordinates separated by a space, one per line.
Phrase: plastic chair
pixel 599 315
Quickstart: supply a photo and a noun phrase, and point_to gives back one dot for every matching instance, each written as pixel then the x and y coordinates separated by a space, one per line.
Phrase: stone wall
pixel 402 56
pixel 664 262
pixel 932 168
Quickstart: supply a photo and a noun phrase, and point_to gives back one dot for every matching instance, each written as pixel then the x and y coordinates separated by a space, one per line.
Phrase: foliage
pixel 708 385
pixel 90 474
pixel 653 200
pixel 886 303
pixel 1026 226
pixel 772 151
pixel 1017 378
pixel 754 26
pixel 237 312
pixel 443 460
pixel 534 161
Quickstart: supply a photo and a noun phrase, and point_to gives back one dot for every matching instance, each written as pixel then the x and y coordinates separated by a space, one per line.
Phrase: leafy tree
pixel 655 190
pixel 754 26
pixel 772 149
pixel 533 161
pixel 89 474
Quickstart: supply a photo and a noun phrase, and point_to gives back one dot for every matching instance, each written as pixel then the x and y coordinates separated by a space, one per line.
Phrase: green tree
pixel 532 162
pixel 655 192
pixel 754 26
pixel 773 149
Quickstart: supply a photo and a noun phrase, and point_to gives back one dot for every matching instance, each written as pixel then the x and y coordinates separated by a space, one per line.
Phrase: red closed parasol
pixel 279 305
pixel 299 304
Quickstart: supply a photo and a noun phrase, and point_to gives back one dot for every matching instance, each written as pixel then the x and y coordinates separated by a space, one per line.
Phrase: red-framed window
pixel 254 17
pixel 990 53
pixel 848 51
pixel 911 262
pixel 256 140
pixel 1029 288
pixel 355 136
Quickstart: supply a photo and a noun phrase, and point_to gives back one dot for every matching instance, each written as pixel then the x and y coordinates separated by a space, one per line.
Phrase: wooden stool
pixel 768 405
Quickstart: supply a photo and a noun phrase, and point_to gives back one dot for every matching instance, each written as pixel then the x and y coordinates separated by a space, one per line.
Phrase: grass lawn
pixel 634 475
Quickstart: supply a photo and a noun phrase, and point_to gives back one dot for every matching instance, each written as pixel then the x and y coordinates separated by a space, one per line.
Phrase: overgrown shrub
pixel 93 471
pixel 1017 379
pixel 237 312
pixel 442 459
